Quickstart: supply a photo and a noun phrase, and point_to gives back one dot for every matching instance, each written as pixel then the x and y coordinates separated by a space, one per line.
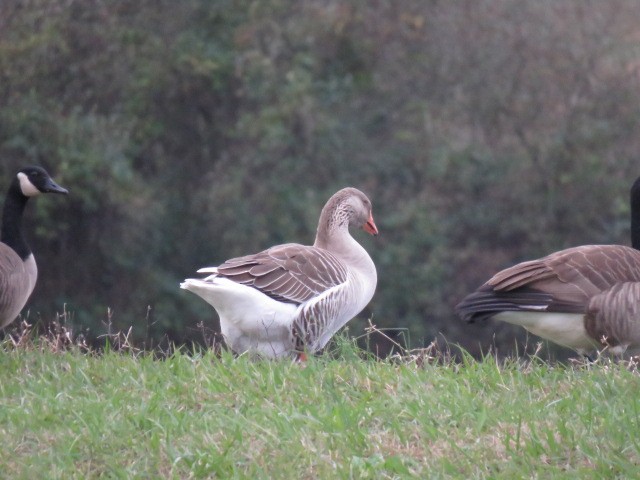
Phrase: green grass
pixel 73 415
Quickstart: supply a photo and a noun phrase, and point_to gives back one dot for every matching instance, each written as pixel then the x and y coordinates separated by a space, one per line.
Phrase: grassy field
pixel 193 415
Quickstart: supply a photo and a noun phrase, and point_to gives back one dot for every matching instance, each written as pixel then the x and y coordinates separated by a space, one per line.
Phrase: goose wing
pixel 564 281
pixel 572 276
pixel 598 266
pixel 289 273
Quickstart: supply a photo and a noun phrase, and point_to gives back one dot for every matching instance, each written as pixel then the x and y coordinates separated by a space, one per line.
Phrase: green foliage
pixel 189 132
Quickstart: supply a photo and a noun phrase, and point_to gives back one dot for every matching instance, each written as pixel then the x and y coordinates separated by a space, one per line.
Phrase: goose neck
pixel 345 247
pixel 334 237
pixel 14 205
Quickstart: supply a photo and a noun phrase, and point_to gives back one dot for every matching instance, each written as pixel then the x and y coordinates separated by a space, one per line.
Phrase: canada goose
pixel 291 298
pixel 18 270
pixel 584 298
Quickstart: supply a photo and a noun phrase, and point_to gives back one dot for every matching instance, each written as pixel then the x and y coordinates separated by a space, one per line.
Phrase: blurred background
pixel 486 132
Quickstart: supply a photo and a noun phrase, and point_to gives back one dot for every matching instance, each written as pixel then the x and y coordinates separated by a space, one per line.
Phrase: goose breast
pixel 17 281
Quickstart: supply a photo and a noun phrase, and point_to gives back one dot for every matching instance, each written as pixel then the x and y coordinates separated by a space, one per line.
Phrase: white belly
pixel 565 329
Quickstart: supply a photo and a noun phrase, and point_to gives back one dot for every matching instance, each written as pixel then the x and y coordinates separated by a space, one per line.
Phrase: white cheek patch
pixel 28 188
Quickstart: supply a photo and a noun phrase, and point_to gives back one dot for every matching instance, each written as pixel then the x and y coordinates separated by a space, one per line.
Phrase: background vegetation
pixel 485 132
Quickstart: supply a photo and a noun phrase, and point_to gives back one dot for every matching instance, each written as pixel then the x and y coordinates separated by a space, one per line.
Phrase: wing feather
pixel 289 273
pixel 564 281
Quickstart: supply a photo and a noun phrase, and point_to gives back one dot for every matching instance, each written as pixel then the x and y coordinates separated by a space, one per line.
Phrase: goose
pixel 585 298
pixel 290 299
pixel 18 270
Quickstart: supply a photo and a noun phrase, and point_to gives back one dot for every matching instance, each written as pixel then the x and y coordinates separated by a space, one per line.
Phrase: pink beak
pixel 370 226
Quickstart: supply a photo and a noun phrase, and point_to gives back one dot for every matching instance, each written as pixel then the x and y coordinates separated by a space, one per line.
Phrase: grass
pixel 68 414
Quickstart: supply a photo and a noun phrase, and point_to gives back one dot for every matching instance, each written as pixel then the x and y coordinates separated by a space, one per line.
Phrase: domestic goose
pixel 291 299
pixel 18 270
pixel 584 298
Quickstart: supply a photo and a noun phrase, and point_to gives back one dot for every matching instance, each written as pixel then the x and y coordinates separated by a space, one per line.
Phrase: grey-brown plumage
pixel 613 316
pixel 583 298
pixel 17 280
pixel 290 273
pixel 18 270
pixel 293 298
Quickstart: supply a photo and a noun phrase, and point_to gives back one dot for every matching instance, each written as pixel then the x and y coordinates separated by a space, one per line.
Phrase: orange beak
pixel 370 226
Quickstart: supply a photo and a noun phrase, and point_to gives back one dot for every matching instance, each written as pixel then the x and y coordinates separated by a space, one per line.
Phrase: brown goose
pixel 291 298
pixel 18 270
pixel 584 298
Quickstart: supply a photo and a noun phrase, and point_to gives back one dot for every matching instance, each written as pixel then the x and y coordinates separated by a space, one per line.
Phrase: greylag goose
pixel 291 299
pixel 584 298
pixel 18 270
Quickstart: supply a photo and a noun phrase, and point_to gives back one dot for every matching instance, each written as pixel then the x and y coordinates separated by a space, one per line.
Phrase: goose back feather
pixel 290 273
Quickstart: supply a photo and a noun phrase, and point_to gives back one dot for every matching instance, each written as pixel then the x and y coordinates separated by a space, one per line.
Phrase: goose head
pixel 33 181
pixel 359 211
pixel 347 208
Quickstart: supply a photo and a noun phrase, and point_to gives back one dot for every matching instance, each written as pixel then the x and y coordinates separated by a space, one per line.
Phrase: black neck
pixel 635 215
pixel 14 204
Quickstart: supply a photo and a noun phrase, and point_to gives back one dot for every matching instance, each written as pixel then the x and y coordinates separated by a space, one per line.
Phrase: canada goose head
pixel 28 182
pixel 35 180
